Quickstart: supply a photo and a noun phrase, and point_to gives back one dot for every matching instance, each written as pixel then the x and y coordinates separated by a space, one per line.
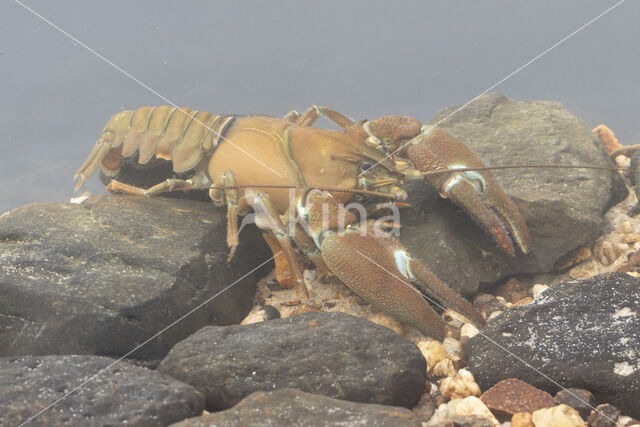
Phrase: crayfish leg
pixel 288 269
pixel 120 187
pixel 223 189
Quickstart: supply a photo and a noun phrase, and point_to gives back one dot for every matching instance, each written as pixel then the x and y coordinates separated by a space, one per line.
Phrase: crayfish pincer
pixel 277 167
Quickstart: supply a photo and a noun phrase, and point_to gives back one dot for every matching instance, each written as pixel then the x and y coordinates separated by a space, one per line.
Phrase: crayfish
pixel 246 162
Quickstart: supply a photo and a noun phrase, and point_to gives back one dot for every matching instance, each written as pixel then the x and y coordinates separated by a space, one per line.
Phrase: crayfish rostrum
pixel 248 163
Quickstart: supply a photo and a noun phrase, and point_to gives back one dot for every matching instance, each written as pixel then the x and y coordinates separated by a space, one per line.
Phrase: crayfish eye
pixel 366 166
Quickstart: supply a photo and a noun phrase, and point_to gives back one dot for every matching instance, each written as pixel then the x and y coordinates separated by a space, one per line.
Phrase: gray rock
pixel 121 394
pixel 562 207
pixel 289 407
pixel 105 276
pixel 333 354
pixel 469 421
pixel 634 176
pixel 425 407
pixel 583 334
pixel 604 415
pixel 581 400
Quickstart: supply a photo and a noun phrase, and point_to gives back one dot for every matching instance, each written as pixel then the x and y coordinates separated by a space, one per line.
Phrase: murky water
pixel 363 58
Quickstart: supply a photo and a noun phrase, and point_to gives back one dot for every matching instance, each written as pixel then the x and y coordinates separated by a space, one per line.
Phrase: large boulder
pixel 563 208
pixel 90 391
pixel 105 276
pixel 583 334
pixel 333 354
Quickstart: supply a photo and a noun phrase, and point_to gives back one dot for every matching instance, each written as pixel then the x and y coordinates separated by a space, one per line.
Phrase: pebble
pixel 471 406
pixel 510 396
pixel 460 386
pixel 604 415
pixel 495 314
pixel 433 352
pixel 538 289
pixel 425 407
pixel 522 419
pixel 388 322
pixel 468 331
pixel 443 368
pixel 607 252
pixel 452 346
pixel 487 304
pixel 439 416
pixel 523 301
pixel 512 291
pixel 624 421
pixel 581 400
pixel 557 416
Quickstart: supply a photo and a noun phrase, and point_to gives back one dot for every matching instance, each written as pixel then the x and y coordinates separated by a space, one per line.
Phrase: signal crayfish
pixel 247 163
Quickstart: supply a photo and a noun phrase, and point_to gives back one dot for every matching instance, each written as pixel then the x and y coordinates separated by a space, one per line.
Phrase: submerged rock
pixel 122 394
pixel 604 415
pixel 560 416
pixel 583 334
pixel 563 208
pixel 581 400
pixel 334 354
pixel 105 276
pixel 511 396
pixel 289 407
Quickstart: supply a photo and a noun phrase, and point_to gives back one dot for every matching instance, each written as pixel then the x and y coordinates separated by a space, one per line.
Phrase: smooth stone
pixel 121 394
pixel 333 354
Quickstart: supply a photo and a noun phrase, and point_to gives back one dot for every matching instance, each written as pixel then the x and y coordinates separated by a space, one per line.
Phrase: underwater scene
pixel 320 213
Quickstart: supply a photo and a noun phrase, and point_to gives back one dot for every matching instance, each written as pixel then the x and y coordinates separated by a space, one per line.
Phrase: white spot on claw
pixel 402 262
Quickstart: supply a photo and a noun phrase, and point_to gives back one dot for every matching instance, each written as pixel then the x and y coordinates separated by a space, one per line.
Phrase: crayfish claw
pixel 461 176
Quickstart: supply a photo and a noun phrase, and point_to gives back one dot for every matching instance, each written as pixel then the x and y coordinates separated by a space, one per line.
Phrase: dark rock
pixel 604 415
pixel 105 276
pixel 511 396
pixel 487 304
pixel 583 334
pixel 634 176
pixel 289 407
pixel 121 394
pixel 581 400
pixel 425 407
pixel 334 354
pixel 562 208
pixel 469 421
pixel 271 312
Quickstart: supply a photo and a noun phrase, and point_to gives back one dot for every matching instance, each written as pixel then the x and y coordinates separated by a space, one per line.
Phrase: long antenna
pixel 524 166
pixel 285 187
pixel 393 196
